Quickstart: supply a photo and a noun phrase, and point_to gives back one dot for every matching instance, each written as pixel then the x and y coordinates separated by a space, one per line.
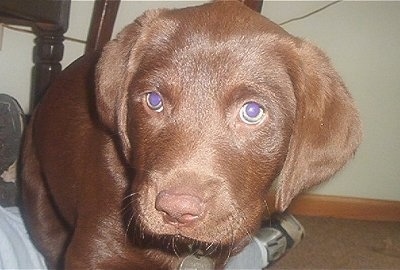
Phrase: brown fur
pixel 102 171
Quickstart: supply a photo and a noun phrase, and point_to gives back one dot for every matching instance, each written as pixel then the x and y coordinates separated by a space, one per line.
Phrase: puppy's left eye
pixel 252 113
pixel 154 101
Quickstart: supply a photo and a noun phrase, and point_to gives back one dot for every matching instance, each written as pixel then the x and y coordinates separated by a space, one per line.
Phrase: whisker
pixel 174 246
pixel 232 237
pixel 130 195
pixel 209 246
pixel 127 203
pixel 129 225
pixel 269 212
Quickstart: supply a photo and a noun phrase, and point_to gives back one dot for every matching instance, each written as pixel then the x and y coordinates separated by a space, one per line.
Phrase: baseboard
pixel 348 208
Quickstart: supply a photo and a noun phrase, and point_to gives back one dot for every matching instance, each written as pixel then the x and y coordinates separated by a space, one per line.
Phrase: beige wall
pixel 362 39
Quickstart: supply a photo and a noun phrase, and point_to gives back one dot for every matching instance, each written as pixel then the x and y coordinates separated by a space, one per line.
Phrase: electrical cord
pixel 18 29
pixel 23 30
pixel 311 13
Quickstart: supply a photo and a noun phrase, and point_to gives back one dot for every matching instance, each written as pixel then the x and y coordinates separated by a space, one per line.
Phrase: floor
pixel 344 244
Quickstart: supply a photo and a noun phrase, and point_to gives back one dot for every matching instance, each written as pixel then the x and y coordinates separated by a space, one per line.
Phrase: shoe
pixel 281 233
pixel 272 241
pixel 11 127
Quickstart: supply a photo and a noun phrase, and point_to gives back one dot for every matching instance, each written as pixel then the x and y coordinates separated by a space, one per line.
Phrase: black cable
pixel 18 29
pixel 311 13
pixel 282 23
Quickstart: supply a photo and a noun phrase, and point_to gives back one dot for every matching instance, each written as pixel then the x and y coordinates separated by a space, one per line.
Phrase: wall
pixel 362 39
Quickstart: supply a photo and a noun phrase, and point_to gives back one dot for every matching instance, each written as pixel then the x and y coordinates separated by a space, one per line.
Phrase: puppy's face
pixel 209 117
pixel 211 104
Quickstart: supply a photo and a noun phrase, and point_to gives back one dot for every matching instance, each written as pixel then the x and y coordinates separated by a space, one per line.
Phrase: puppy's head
pixel 214 104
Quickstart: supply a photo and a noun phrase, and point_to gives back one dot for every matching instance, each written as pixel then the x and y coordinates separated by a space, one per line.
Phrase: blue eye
pixel 154 101
pixel 252 113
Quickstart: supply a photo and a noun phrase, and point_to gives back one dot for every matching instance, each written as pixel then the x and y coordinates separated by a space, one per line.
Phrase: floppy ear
pixel 327 128
pixel 117 64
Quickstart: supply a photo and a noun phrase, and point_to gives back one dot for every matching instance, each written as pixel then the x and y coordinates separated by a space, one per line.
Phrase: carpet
pixel 344 244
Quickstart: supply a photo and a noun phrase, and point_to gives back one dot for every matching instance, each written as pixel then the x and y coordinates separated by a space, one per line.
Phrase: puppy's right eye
pixel 252 113
pixel 154 101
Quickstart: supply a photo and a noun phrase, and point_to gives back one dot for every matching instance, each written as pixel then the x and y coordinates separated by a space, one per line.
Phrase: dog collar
pixel 195 261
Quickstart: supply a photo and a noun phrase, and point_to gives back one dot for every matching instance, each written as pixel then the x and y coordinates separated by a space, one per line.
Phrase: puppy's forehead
pixel 223 39
pixel 223 18
pixel 214 22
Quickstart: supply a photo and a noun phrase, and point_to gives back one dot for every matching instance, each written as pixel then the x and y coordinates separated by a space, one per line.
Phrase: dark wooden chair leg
pixel 102 23
pixel 254 4
pixel 47 54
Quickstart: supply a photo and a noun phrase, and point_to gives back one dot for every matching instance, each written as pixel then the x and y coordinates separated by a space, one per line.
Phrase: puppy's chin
pixel 179 245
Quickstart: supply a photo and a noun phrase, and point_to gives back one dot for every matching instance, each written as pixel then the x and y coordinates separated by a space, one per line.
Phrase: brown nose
pixel 179 209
